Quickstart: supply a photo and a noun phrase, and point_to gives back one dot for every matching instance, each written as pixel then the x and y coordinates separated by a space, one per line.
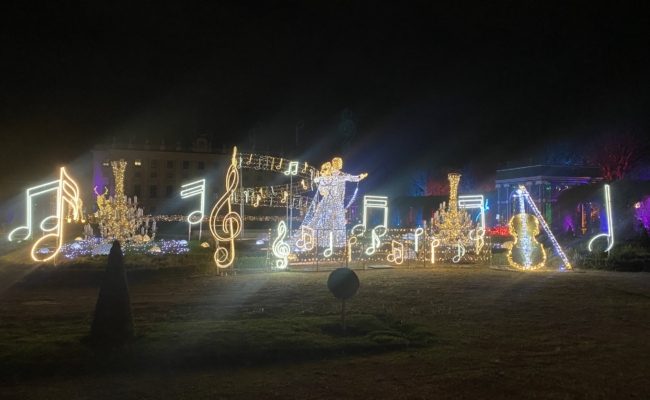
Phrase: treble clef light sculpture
pixel 231 224
pixel 281 249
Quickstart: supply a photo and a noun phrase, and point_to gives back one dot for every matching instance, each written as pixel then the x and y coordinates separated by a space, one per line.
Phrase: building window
pixel 153 174
pixel 169 190
pixel 186 164
pixel 170 175
pixel 154 163
pixel 137 174
pixel 137 163
pixel 170 164
pixel 201 165
pixel 153 191
pixel 137 190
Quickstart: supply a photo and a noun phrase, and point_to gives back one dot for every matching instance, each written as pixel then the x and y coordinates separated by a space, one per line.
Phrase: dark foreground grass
pixel 62 349
pixel 421 333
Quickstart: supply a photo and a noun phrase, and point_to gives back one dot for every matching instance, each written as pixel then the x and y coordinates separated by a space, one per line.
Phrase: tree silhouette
pixel 113 323
pixel 617 155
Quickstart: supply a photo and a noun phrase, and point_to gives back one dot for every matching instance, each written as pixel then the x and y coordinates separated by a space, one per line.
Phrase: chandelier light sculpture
pixel 119 216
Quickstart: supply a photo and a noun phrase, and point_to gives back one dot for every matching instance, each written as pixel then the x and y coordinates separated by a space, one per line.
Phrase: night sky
pixel 393 89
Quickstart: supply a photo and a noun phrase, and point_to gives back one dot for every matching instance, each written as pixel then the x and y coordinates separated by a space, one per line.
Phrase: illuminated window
pixel 137 163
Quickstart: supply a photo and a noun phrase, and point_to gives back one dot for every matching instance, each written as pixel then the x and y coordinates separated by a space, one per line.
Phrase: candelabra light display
pixel 119 216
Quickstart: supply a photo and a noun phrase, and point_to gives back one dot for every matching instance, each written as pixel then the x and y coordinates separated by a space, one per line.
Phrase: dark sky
pixel 424 85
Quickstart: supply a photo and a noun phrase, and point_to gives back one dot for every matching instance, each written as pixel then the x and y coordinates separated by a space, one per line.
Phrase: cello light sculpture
pixel 196 188
pixel 526 252
pixel 67 194
pixel 610 224
pixel 547 229
pixel 231 223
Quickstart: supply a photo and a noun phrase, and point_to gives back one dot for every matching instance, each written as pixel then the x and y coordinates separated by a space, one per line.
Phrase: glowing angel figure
pixel 329 214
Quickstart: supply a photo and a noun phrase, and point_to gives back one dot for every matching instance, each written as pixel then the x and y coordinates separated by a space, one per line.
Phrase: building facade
pixel 543 182
pixel 155 173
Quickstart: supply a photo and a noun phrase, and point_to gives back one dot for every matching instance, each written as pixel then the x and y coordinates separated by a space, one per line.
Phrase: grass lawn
pixel 448 332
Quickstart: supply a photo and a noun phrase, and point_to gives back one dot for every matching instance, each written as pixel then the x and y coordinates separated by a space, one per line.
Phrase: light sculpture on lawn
pixel 119 216
pixel 610 224
pixel 378 231
pixel 280 248
pixel 529 225
pixel 231 222
pixel 192 189
pixel 327 215
pixel 67 198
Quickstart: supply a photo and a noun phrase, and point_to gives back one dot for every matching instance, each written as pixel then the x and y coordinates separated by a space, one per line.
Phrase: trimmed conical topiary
pixel 113 323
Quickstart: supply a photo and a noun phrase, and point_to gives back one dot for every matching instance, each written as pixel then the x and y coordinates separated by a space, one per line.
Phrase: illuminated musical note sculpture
pixel 460 253
pixel 307 239
pixel 25 232
pixel 396 254
pixel 526 252
pixel 231 222
pixel 196 188
pixel 292 169
pixel 375 239
pixel 67 197
pixel 330 249
pixel 416 239
pixel 377 232
pixel 280 248
pixel 435 242
pixel 610 224
pixel 351 241
pixel 475 201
